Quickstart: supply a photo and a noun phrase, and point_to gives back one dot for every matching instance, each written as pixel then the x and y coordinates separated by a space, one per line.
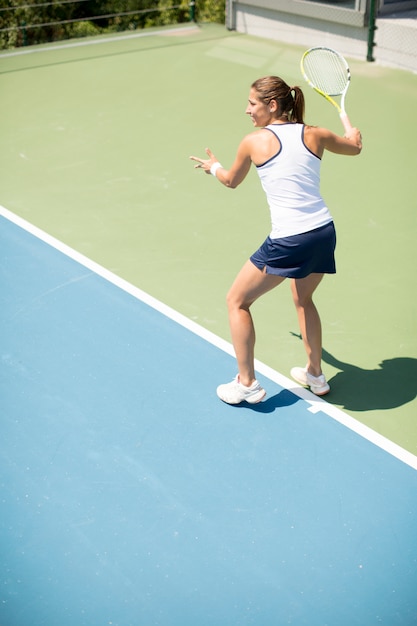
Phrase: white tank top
pixel 291 181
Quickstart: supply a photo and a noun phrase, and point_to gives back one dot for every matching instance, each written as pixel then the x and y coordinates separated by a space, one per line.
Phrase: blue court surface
pixel 131 496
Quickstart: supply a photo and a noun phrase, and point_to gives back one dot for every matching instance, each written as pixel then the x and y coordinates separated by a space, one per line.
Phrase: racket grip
pixel 346 122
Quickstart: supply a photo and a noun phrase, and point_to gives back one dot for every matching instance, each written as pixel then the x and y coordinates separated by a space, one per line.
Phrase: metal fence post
pixel 371 31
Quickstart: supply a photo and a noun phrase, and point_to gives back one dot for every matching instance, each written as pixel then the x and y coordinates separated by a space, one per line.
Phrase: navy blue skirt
pixel 299 255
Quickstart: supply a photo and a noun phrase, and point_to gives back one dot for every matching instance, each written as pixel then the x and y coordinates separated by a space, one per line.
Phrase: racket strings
pixel 326 71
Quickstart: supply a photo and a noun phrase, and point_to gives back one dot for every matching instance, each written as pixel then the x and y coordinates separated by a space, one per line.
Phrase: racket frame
pixel 340 108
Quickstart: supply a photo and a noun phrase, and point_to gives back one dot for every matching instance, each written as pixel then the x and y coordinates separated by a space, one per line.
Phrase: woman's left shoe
pixel 318 384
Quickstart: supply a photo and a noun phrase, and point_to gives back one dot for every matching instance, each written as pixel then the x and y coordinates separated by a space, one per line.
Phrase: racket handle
pixel 346 122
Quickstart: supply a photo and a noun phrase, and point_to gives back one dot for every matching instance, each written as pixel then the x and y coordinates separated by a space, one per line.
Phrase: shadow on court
pixel 391 384
pixel 284 398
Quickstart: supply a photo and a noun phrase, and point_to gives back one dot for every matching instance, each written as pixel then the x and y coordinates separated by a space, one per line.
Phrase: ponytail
pixel 297 113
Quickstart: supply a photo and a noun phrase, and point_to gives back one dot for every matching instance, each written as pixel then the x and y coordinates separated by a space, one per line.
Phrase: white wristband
pixel 215 167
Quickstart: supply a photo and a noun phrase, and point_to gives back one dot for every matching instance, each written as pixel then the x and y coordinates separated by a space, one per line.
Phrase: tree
pixel 28 22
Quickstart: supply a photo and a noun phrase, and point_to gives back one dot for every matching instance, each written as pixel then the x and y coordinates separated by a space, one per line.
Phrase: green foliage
pixel 85 29
pixel 210 11
pixel 28 22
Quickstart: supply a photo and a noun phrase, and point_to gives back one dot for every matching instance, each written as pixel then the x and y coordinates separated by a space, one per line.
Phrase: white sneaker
pixel 317 384
pixel 235 392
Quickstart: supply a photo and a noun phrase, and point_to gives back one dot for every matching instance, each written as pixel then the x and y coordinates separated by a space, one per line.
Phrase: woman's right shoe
pixel 235 392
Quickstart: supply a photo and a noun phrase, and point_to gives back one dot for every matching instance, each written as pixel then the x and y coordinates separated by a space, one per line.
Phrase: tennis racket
pixel 327 72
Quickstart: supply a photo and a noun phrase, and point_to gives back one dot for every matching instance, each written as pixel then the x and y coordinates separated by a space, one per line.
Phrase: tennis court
pixel 131 495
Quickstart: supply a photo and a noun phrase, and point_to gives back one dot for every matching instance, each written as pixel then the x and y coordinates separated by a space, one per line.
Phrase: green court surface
pixel 96 136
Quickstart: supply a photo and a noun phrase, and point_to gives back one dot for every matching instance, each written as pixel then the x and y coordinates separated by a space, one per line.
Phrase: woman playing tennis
pixel 287 156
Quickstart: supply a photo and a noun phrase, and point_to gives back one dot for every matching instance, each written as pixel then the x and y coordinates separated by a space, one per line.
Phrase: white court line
pixel 94 42
pixel 316 404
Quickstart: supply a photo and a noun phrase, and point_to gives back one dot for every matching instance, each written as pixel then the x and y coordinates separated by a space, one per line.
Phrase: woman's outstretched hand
pixel 205 164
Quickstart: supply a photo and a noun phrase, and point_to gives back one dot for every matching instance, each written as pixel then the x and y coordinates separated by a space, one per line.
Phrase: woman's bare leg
pixel 309 319
pixel 249 285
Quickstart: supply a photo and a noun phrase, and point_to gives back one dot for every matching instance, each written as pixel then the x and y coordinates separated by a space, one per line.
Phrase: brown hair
pixel 290 100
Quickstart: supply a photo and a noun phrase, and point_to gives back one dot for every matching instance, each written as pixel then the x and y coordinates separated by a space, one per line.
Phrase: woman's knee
pixel 302 301
pixel 303 290
pixel 235 299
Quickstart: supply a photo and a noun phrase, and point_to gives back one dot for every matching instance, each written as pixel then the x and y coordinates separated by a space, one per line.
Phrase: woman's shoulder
pixel 260 145
pixel 258 135
pixel 316 130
